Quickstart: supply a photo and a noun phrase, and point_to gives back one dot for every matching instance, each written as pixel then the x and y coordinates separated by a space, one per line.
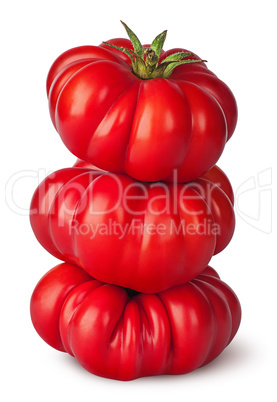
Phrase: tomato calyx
pixel 146 60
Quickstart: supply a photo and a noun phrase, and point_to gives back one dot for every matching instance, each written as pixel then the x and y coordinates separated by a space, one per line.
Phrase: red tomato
pixel 144 236
pixel 214 175
pixel 146 128
pixel 117 333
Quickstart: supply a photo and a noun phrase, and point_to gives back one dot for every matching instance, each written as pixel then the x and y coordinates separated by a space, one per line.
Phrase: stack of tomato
pixel 140 215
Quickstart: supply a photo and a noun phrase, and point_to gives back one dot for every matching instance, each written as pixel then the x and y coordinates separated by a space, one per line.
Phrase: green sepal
pixel 170 67
pixel 140 69
pixel 138 48
pixel 158 43
pixel 138 65
pixel 145 61
pixel 177 56
pixel 159 71
pixel 122 49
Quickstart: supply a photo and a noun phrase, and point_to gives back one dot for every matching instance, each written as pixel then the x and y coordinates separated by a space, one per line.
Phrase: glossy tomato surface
pixel 144 236
pixel 121 334
pixel 148 129
pixel 214 175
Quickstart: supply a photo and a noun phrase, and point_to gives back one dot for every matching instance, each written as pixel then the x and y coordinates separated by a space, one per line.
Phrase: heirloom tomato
pixel 140 235
pixel 117 333
pixel 139 110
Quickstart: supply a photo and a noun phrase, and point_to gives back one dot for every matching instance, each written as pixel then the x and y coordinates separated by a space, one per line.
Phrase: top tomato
pixel 138 110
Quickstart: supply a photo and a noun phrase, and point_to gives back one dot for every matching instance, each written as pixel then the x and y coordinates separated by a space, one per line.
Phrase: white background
pixel 238 39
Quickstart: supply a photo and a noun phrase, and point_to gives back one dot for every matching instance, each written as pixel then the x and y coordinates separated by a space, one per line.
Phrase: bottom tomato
pixel 119 333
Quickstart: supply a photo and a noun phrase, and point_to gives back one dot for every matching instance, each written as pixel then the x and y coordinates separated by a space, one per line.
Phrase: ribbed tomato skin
pixel 144 236
pixel 118 334
pixel 148 129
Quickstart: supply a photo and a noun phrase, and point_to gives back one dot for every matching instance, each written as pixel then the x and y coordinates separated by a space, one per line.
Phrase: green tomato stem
pixel 145 61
